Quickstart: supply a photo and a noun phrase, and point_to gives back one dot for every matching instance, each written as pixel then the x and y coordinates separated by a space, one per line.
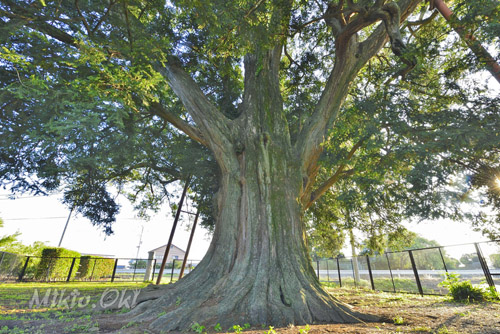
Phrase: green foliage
pixel 138 264
pixel 84 100
pixel 95 267
pixel 398 320
pixel 7 240
pixel 34 249
pixel 470 261
pixel 218 327
pixel 196 327
pixel 305 330
pixel 271 330
pixel 495 259
pixel 237 329
pixel 465 292
pixel 56 263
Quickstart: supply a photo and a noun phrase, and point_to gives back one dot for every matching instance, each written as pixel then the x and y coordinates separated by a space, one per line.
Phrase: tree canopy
pixel 360 112
pixel 84 101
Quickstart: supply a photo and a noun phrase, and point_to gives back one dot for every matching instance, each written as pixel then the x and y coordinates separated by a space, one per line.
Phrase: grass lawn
pixel 398 313
pixel 68 308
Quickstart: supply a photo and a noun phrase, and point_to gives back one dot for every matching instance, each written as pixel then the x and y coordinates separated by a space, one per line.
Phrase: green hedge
pixel 95 267
pixel 56 263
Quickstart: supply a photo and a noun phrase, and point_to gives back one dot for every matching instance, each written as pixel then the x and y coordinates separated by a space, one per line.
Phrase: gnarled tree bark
pixel 257 269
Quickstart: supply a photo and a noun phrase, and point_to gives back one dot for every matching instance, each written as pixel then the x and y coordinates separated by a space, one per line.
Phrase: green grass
pixel 18 295
pixel 17 318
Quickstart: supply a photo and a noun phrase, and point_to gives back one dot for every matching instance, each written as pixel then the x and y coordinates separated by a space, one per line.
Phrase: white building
pixel 174 253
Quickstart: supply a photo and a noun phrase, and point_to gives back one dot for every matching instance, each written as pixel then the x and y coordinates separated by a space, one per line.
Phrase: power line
pixel 8 198
pixel 34 218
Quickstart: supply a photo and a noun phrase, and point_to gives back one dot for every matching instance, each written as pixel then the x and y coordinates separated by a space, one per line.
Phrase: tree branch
pixel 211 122
pixel 351 56
pixel 208 118
pixel 180 124
pixel 334 178
pixel 89 31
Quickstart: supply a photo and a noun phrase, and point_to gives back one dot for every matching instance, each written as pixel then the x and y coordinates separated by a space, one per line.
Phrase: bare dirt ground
pixel 399 313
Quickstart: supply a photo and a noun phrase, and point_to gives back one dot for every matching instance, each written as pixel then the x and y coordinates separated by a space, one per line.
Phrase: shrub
pixel 95 267
pixel 464 291
pixel 56 263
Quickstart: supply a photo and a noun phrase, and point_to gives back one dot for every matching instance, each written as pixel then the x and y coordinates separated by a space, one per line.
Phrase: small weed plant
pixel 237 329
pixel 305 330
pixel 196 327
pixel 398 320
pixel 271 330
pixel 218 328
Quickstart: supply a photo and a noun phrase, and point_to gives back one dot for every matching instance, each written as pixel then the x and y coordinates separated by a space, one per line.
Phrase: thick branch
pixel 481 53
pixel 350 58
pixel 334 178
pixel 180 124
pixel 212 123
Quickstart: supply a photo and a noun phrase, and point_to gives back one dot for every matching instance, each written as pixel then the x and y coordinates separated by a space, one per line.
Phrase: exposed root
pixel 173 308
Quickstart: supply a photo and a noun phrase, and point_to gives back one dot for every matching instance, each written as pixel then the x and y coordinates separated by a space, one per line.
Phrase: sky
pixel 43 219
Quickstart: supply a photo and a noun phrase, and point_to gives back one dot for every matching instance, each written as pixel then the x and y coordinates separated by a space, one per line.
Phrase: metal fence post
pixel 484 266
pixel 338 269
pixel 442 258
pixel 114 270
pixel 353 273
pixel 21 275
pixel 71 269
pixel 172 274
pixel 135 268
pixel 390 271
pixel 154 268
pixel 415 272
pixel 327 272
pixel 317 268
pixel 1 259
pixel 370 272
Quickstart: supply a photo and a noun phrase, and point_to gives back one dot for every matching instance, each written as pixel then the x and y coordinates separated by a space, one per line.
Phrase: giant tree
pixel 99 91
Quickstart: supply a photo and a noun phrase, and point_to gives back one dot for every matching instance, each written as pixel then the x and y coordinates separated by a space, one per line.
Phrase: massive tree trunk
pixel 257 269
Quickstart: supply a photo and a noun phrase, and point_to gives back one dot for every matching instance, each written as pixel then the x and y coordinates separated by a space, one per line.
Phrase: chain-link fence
pixel 416 271
pixel 14 267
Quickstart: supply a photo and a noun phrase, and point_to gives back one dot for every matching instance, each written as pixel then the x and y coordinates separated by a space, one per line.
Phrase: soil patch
pixel 399 313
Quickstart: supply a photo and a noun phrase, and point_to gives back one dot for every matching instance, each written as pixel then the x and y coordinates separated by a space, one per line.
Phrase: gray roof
pixel 157 248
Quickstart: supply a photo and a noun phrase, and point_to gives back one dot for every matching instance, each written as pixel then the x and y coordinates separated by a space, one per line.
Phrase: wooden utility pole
pixel 65 227
pixel 172 232
pixel 189 243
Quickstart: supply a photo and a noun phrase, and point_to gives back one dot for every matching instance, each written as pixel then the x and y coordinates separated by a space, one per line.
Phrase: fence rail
pixel 417 270
pixel 22 268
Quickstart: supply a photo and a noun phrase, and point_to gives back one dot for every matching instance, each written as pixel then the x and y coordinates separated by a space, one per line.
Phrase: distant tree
pixel 495 259
pixel 470 261
pixel 6 240
pixel 138 264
